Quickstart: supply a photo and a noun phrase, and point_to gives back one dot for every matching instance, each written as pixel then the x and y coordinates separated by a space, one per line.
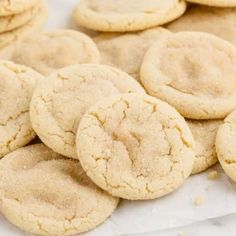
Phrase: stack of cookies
pixel 19 18
pixel 128 115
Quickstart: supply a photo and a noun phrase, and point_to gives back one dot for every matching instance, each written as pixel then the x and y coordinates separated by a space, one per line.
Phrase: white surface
pixel 175 210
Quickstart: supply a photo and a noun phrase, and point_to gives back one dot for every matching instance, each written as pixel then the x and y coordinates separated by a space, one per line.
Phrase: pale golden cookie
pixel 204 134
pixel 225 145
pixel 216 3
pixel 16 88
pixel 122 15
pixel 11 7
pixel 43 193
pixel 34 25
pixel 58 105
pixel 194 72
pixel 11 22
pixel 126 51
pixel 49 51
pixel 214 20
pixel 135 146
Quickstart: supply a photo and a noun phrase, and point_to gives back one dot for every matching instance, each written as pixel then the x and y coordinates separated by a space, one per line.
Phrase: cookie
pixel 30 27
pixel 225 145
pixel 194 72
pixel 216 3
pixel 16 87
pixel 11 22
pixel 58 105
pixel 75 47
pixel 126 51
pixel 214 20
pixel 122 16
pixel 13 7
pixel 43 193
pixel 135 146
pixel 204 134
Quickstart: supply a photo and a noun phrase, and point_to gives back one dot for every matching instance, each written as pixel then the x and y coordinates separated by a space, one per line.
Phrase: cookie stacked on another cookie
pixel 17 86
pixel 200 83
pixel 125 16
pixel 19 18
pixel 64 48
pixel 213 20
pixel 59 104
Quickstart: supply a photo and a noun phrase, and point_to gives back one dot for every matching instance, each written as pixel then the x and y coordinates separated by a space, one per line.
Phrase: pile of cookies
pixel 126 115
pixel 20 18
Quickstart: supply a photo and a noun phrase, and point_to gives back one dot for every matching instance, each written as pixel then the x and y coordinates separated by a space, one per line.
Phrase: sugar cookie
pixel 41 52
pixel 225 145
pixel 11 7
pixel 214 20
pixel 30 27
pixel 11 22
pixel 16 87
pixel 58 105
pixel 204 134
pixel 122 15
pixel 126 51
pixel 194 72
pixel 135 146
pixel 43 193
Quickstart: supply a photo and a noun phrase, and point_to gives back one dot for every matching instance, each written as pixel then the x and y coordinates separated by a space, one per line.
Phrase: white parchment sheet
pixel 177 209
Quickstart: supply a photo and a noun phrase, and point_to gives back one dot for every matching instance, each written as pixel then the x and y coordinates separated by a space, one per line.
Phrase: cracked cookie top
pixel 126 51
pixel 32 26
pixel 11 22
pixel 123 16
pixel 44 193
pixel 204 134
pixel 135 146
pixel 73 46
pixel 58 105
pixel 194 72
pixel 225 145
pixel 17 84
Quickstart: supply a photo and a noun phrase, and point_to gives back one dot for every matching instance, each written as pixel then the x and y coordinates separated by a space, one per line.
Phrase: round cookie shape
pixel 135 147
pixel 75 48
pixel 194 72
pixel 16 88
pixel 126 51
pixel 123 16
pixel 44 193
pixel 216 3
pixel 32 26
pixel 14 21
pixel 225 145
pixel 13 7
pixel 204 134
pixel 58 105
pixel 208 19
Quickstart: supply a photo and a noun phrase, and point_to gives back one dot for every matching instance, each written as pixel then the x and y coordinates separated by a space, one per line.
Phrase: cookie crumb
pixel 213 175
pixel 182 233
pixel 198 201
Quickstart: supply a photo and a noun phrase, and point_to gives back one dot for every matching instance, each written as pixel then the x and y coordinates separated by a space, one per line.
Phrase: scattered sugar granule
pixel 213 175
pixel 198 201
